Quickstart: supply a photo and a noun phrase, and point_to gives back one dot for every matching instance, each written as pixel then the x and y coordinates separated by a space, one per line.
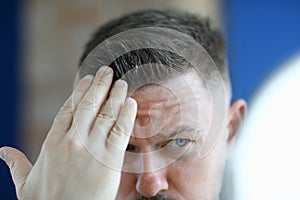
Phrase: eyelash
pixel 172 143
pixel 179 140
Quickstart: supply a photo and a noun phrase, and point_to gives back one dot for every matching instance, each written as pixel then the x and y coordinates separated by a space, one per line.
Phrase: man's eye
pixel 132 148
pixel 179 142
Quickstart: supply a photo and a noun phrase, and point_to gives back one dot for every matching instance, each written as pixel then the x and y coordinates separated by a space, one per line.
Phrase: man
pixel 168 137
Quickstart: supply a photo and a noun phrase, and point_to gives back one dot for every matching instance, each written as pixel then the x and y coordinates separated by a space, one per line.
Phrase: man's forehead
pixel 187 87
pixel 179 102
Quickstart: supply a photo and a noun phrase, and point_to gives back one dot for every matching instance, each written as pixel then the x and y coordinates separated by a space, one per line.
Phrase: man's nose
pixel 151 181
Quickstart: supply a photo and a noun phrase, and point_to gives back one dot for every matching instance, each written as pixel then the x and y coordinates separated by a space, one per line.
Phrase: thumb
pixel 18 164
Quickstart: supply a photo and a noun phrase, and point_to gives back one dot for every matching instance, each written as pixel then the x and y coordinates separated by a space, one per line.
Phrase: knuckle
pixel 120 130
pixel 87 103
pixel 67 108
pixel 100 83
pixel 107 116
pixel 62 118
pixel 68 105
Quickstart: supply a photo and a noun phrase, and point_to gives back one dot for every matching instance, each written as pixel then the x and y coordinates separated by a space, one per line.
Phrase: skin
pixel 78 159
pixel 187 177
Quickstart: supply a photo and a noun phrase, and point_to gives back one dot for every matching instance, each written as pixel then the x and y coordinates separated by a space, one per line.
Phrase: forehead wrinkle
pixel 155 97
pixel 146 105
pixel 179 104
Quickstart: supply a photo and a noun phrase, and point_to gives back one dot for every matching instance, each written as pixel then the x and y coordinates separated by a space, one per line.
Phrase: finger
pixel 18 164
pixel 90 104
pixel 63 119
pixel 110 112
pixel 121 131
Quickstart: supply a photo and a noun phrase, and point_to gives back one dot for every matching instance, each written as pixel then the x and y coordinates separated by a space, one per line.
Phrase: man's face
pixel 171 123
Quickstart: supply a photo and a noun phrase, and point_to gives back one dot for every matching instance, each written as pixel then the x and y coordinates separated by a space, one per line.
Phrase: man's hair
pixel 199 28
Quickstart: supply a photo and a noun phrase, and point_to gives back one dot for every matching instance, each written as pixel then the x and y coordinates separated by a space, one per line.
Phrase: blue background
pixel 261 35
pixel 9 83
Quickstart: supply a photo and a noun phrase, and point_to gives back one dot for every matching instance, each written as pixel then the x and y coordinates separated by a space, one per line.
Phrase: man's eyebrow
pixel 182 129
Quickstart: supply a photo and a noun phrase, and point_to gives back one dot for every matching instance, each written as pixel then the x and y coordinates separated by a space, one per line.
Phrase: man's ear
pixel 237 113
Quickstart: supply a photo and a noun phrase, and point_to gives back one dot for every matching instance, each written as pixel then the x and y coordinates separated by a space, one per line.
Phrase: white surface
pixel 267 160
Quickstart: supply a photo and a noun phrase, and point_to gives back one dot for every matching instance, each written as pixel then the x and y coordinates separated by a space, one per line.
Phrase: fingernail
pixel 101 70
pixel 120 83
pixel 107 70
pixel 88 77
pixel 104 71
pixel 131 101
pixel 132 109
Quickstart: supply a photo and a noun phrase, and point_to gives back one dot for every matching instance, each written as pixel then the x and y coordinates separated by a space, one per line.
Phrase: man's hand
pixel 89 127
